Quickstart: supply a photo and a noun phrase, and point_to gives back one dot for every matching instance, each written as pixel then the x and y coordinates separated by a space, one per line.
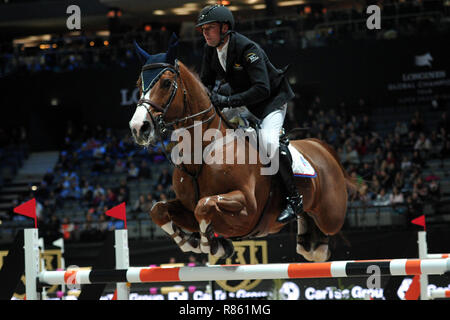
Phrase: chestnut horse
pixel 218 202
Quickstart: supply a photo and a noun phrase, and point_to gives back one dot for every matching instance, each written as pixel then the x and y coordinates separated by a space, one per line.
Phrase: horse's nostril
pixel 134 132
pixel 145 127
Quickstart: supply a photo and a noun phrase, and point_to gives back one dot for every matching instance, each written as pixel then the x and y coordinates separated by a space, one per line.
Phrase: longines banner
pixel 422 79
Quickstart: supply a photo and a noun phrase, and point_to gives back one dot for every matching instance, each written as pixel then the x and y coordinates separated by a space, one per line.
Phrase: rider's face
pixel 211 33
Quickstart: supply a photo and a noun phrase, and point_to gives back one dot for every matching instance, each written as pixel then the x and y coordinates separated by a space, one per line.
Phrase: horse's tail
pixel 350 182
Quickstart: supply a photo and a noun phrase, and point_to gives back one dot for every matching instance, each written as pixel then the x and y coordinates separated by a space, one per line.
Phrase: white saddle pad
pixel 300 166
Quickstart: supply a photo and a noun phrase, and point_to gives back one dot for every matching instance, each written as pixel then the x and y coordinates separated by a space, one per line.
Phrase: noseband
pixel 161 125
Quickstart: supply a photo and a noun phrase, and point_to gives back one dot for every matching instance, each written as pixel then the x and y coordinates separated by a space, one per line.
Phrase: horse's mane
pixel 197 77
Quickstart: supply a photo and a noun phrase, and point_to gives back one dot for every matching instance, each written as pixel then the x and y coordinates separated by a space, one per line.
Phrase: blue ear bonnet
pixel 150 76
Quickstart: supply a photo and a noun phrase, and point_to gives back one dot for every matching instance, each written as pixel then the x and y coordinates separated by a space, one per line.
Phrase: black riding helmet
pixel 216 13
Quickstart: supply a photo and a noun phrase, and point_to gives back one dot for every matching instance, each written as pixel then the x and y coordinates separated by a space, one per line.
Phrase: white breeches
pixel 270 131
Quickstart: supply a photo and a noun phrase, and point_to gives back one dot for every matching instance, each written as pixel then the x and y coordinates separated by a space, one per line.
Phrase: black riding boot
pixel 294 201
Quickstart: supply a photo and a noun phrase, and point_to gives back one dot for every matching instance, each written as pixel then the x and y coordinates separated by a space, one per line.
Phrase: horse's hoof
pixel 306 254
pixel 227 247
pixel 321 253
pixel 194 242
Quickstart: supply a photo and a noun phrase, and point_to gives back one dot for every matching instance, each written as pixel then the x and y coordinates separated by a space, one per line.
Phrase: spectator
pixel 382 199
pixel 163 197
pixel 423 144
pixel 89 230
pixel 434 190
pixel 165 179
pixel 120 166
pixel 352 156
pixel 401 129
pixel 151 202
pixel 123 184
pixel 414 207
pixel 144 170
pixel 420 188
pixel 405 164
pixel 417 160
pixel 385 180
pixel 133 172
pixel 98 191
pixel 122 196
pixel 108 165
pixel 102 225
pixel 159 190
pixel 399 180
pixel 67 228
pixel 87 192
pixel 111 198
pixel 396 197
pixel 375 186
pixel 141 205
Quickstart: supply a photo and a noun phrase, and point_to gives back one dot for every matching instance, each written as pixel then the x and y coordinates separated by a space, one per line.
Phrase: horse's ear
pixel 143 56
pixel 172 50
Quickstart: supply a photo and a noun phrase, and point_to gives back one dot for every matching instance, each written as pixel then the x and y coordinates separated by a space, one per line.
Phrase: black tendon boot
pixel 294 201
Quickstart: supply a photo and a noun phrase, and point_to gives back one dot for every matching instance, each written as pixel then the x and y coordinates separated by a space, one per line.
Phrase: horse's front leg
pixel 232 203
pixel 172 217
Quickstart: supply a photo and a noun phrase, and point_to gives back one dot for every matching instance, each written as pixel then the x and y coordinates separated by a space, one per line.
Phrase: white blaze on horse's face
pixel 141 124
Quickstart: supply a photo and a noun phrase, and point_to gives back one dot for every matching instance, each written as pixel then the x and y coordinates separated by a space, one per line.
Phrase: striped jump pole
pixel 438 255
pixel 439 293
pixel 337 269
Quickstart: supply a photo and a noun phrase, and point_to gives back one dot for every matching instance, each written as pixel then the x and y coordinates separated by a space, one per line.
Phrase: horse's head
pixel 160 99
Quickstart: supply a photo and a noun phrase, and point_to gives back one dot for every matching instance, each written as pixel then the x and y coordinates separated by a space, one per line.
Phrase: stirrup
pixel 296 204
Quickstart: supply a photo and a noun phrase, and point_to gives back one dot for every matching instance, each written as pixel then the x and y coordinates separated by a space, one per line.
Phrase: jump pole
pixel 336 269
pixel 439 294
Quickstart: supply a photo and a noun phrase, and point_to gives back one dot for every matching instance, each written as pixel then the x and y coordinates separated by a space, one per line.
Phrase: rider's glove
pixel 219 100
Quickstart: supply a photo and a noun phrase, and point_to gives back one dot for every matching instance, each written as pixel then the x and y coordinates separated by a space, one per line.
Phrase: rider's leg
pixel 270 138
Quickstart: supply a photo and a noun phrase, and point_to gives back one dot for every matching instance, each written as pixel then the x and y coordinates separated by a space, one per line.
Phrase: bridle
pixel 161 126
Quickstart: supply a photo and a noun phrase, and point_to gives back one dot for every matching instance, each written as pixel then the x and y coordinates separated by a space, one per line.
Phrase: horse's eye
pixel 166 83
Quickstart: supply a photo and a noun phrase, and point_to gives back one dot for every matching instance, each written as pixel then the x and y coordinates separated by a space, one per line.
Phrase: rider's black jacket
pixel 254 81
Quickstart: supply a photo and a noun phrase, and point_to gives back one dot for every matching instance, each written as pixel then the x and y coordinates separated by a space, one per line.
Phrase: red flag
pixel 413 292
pixel 118 212
pixel 420 221
pixel 28 209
